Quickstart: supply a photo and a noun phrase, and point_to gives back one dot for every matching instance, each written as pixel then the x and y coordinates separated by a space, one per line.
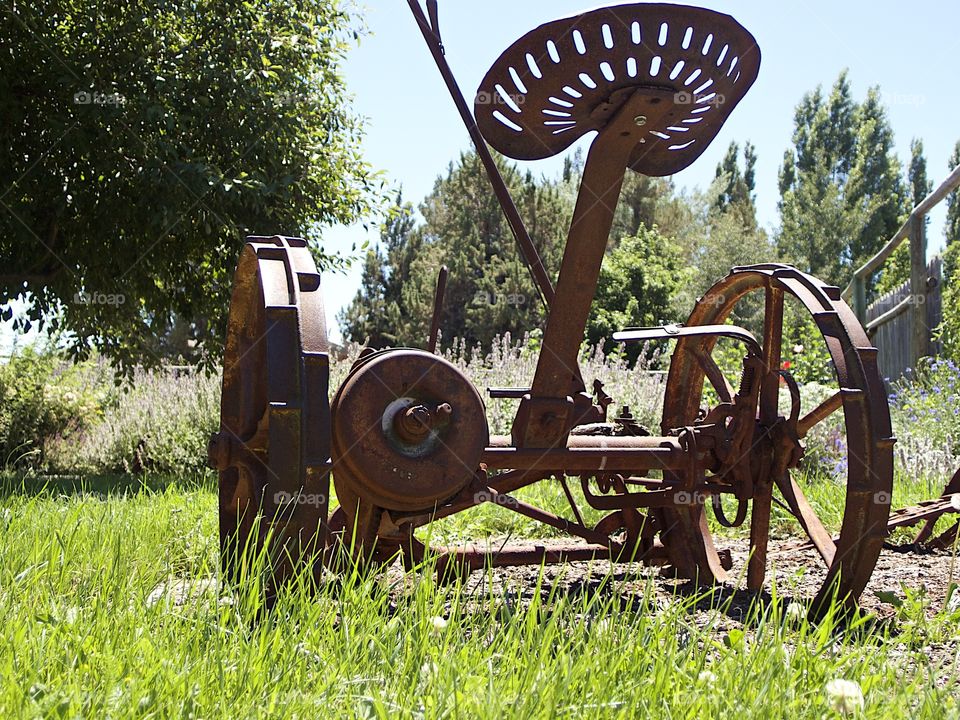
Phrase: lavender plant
pixel 162 421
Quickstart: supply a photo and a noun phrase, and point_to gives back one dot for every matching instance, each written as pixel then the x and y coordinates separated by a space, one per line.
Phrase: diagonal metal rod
pixel 528 250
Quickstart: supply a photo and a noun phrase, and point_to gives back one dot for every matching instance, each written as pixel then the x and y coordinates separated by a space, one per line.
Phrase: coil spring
pixel 747 377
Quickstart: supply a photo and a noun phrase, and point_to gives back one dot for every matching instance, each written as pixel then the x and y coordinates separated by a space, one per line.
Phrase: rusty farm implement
pixel 405 436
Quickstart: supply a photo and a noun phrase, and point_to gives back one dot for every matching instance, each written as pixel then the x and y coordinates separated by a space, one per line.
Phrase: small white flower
pixel 795 613
pixel 439 624
pixel 797 349
pixel 707 677
pixel 429 670
pixel 955 502
pixel 845 696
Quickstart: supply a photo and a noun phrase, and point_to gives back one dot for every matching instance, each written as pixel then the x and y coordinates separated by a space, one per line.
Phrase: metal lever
pixel 674 332
pixel 437 309
pixel 528 251
pixel 434 14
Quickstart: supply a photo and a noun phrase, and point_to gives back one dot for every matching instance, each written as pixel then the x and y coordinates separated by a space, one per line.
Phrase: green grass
pixel 84 634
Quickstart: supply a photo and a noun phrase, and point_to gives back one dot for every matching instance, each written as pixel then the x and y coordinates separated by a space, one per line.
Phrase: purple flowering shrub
pixel 927 406
pixel 162 421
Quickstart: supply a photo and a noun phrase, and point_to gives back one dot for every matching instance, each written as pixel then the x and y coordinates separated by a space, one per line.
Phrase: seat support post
pixel 545 416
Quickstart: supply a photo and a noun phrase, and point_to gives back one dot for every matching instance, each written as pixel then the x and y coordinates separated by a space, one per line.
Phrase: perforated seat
pixel 568 77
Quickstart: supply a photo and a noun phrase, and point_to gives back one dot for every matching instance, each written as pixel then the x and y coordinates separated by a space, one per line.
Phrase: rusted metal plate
pixel 568 77
pixel 408 430
pixel 273 446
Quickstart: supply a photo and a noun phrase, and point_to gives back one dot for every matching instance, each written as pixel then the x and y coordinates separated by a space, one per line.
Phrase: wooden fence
pixel 916 338
pixel 891 327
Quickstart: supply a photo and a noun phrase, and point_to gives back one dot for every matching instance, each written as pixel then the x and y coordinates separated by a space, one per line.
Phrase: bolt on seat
pixel 570 77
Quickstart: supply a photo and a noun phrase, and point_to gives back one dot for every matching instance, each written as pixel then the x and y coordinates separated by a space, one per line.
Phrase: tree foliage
pixel 897 269
pixel 950 329
pixel 144 140
pixel 842 195
pixel 636 287
pixel 738 186
pixel 489 290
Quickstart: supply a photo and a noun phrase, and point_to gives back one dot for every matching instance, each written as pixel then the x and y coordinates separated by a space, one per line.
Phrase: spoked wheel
pixel 272 449
pixel 775 448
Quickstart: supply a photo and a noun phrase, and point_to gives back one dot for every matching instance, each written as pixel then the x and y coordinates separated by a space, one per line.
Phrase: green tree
pixel 950 328
pixel 738 186
pixel 144 140
pixel 489 290
pixel 897 270
pixel 714 240
pixel 842 195
pixel 376 315
pixel 637 283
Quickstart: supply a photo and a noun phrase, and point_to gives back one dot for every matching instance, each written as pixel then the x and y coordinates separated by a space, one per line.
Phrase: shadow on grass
pixel 14 484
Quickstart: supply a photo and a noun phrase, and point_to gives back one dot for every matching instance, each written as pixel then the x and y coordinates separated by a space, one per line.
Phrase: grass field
pixel 110 608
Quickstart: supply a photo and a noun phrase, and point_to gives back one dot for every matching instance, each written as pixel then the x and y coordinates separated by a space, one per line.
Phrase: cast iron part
pixel 407 435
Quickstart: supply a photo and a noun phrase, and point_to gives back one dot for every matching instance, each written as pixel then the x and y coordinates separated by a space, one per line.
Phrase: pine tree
pixel 897 269
pixel 737 187
pixel 376 315
pixel 489 290
pixel 950 329
pixel 842 196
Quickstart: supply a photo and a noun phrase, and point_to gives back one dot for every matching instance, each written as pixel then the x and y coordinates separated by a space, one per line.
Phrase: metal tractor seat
pixel 569 77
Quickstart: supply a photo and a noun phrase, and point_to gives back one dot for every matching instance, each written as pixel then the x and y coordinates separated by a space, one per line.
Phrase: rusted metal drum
pixel 408 431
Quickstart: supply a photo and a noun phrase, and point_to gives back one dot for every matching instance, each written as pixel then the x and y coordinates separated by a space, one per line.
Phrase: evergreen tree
pixel 842 196
pixel 376 315
pixel 897 270
pixel 489 290
pixel 950 329
pixel 738 186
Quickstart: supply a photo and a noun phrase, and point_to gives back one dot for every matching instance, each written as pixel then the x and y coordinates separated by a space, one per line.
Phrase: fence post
pixel 860 299
pixel 920 341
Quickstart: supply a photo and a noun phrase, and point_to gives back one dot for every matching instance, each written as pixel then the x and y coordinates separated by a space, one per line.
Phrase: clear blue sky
pixel 413 131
